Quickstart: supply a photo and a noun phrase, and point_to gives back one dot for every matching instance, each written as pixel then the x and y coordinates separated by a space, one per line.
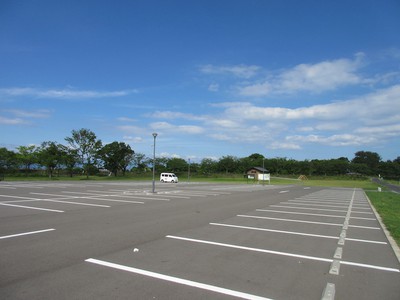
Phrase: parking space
pixel 205 241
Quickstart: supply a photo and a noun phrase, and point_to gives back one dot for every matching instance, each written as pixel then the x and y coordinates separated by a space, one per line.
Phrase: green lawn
pixel 388 206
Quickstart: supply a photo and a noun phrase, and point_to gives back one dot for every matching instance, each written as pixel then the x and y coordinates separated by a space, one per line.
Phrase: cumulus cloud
pixel 363 120
pixel 187 129
pixel 318 77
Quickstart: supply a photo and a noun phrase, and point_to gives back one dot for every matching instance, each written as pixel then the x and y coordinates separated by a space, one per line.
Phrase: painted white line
pixel 320 205
pixel 277 231
pixel 300 213
pixel 282 192
pixel 73 202
pixel 297 233
pixel 25 233
pixel 307 222
pixel 19 197
pixel 283 253
pixel 366 241
pixel 251 249
pixel 290 220
pixel 182 281
pixel 30 207
pixel 87 197
pixel 349 263
pixel 113 195
pixel 309 208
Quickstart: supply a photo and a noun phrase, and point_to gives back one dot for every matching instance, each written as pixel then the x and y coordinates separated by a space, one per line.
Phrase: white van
pixel 168 177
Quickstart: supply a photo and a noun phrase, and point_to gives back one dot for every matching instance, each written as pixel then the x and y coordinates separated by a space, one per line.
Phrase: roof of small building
pixel 259 169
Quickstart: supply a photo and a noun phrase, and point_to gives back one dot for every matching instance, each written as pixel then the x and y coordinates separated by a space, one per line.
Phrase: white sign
pixel 264 177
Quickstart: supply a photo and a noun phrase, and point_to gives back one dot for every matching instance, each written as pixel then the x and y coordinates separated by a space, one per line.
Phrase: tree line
pixel 84 153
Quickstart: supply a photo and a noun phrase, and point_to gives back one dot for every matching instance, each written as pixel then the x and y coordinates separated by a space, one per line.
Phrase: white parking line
pixel 251 249
pixel 308 222
pixel 30 207
pixel 73 202
pixel 124 196
pixel 191 283
pixel 88 197
pixel 284 253
pixel 300 213
pixel 25 233
pixel 325 209
pixel 277 231
pixel 309 214
pixel 297 233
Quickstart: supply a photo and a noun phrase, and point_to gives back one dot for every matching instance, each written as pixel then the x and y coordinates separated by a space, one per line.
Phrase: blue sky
pixel 296 79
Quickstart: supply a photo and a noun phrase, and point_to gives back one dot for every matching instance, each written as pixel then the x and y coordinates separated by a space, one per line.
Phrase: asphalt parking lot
pixel 104 240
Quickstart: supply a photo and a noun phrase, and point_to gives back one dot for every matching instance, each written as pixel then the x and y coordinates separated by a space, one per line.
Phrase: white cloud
pixel 170 115
pixel 334 140
pixel 381 104
pixel 319 77
pixel 42 113
pixel 132 139
pixel 214 87
pixel 365 120
pixel 63 93
pixel 22 117
pixel 126 119
pixel 12 121
pixel 284 146
pixel 241 71
pixel 168 127
pixel 131 129
pixel 351 122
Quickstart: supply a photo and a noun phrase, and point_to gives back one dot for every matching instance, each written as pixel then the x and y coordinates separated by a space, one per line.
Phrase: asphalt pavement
pixel 118 240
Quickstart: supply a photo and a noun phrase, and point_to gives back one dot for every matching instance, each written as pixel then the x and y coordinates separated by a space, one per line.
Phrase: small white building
pixel 258 173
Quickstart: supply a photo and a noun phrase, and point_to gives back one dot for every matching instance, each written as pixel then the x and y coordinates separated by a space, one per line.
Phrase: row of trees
pixel 85 153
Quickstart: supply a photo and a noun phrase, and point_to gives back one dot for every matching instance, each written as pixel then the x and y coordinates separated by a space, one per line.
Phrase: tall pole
pixel 263 172
pixel 154 162
pixel 189 171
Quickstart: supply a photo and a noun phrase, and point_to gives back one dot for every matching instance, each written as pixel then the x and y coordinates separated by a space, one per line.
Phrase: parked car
pixel 168 177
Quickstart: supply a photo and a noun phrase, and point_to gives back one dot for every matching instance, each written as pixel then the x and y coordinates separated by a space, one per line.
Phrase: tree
pixel 139 162
pixel 50 155
pixel 27 156
pixel 370 159
pixel 85 142
pixel 254 160
pixel 69 159
pixel 208 166
pixel 8 160
pixel 228 164
pixel 177 165
pixel 116 156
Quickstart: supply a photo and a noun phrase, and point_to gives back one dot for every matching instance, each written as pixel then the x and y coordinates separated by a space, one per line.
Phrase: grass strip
pixel 387 205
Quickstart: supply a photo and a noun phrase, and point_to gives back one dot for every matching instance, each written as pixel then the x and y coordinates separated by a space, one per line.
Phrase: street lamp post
pixel 263 172
pixel 189 171
pixel 154 162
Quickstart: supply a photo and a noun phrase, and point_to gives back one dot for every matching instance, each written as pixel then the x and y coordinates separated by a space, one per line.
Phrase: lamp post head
pixel 154 134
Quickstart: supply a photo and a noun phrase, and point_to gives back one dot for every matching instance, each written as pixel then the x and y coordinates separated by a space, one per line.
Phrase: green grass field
pixel 387 205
